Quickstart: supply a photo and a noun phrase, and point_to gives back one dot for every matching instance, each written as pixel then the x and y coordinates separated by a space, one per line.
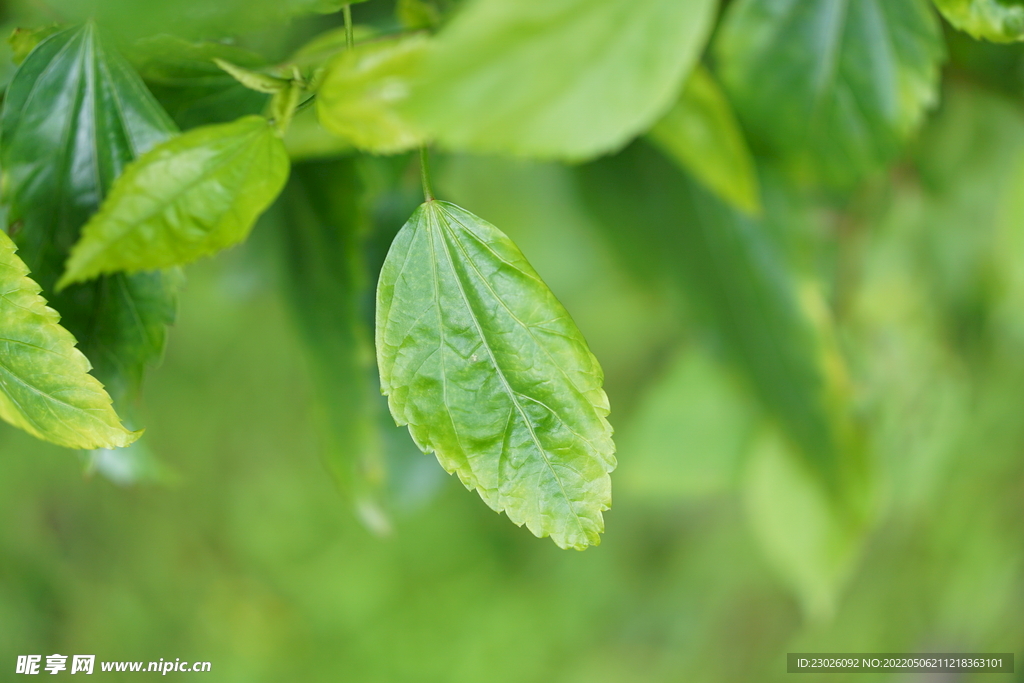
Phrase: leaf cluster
pixel 708 153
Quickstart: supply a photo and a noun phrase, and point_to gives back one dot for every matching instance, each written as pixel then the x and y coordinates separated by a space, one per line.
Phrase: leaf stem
pixel 428 192
pixel 350 40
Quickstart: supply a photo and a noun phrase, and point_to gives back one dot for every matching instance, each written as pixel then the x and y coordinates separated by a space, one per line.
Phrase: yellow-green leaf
pixel 45 385
pixel 557 79
pixel 187 198
pixel 362 89
pixel 702 134
pixel 1000 22
pixel 492 375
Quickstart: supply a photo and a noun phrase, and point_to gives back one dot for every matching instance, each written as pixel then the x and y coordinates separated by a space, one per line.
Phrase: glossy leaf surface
pixel 74 116
pixel 834 86
pixel 362 89
pixel 567 79
pixel 490 373
pixel 188 198
pixel 45 385
pixel 702 134
pixel 1000 22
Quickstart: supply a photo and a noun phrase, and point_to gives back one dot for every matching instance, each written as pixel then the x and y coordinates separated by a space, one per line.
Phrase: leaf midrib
pixel 501 375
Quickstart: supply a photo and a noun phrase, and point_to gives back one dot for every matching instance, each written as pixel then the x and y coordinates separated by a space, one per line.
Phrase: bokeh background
pixel 227 541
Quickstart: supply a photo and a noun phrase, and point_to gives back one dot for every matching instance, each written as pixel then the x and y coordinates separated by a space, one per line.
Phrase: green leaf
pixel 124 321
pixel 1001 21
pixel 833 86
pixel 45 385
pixel 362 89
pixel 565 79
pixel 74 116
pixel 702 134
pixel 185 79
pixel 724 263
pixel 187 198
pixel 490 373
pixel 253 80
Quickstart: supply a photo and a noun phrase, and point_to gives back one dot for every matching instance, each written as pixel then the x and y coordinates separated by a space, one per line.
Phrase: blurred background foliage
pixel 816 398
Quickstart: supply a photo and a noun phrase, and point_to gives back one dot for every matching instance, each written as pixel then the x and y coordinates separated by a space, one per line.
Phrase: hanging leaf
pixel 995 20
pixel 833 86
pixel 362 88
pixel 188 198
pixel 45 385
pixel 563 79
pixel 702 134
pixel 490 373
pixel 74 116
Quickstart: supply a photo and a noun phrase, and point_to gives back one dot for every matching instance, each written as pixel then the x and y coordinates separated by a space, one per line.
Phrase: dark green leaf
pixel 735 277
pixel 185 79
pixel 567 79
pixel 45 385
pixel 834 86
pixel 490 373
pixel 74 116
pixel 190 197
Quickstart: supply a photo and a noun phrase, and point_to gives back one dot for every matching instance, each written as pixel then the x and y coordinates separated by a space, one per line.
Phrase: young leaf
pixel 565 79
pixel 187 198
pixel 362 88
pixel 45 385
pixel 254 80
pixel 702 134
pixel 74 116
pixel 995 20
pixel 834 86
pixel 490 373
